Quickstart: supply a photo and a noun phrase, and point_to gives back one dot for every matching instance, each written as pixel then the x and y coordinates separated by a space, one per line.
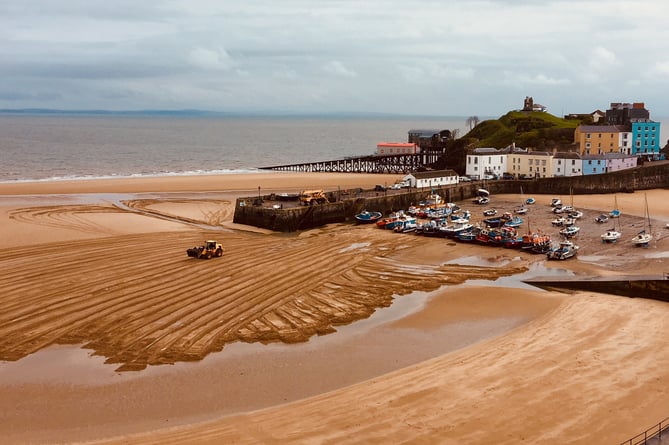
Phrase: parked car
pixel 379 188
pixel 464 179
pixel 602 218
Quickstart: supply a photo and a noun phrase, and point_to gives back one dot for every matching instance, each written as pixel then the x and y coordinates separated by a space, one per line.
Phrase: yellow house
pixel 597 139
pixel 533 164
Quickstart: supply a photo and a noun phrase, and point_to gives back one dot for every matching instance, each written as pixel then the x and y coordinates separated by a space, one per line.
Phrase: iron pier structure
pixel 391 164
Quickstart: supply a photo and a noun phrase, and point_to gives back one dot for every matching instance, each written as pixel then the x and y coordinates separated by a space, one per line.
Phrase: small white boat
pixel 570 231
pixel 611 236
pixel 644 236
pixel 556 202
pixel 566 249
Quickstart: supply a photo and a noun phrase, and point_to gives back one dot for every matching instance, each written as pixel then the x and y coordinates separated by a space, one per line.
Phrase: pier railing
pixel 652 435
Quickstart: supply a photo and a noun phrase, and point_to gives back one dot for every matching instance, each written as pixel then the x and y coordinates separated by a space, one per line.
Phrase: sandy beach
pixel 344 334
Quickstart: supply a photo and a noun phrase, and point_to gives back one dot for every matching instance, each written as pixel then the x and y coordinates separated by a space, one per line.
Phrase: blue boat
pixel 366 217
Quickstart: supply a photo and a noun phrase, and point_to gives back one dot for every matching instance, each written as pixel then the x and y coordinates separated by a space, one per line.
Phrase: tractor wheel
pixel 208 256
pixel 219 252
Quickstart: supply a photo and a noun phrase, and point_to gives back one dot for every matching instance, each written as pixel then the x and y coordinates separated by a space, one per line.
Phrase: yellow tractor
pixel 309 197
pixel 210 249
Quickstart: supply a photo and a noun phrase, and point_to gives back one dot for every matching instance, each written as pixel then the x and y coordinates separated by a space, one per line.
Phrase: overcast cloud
pixel 433 57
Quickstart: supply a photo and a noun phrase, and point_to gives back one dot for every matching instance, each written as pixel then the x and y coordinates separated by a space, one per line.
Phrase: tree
pixel 455 133
pixel 472 121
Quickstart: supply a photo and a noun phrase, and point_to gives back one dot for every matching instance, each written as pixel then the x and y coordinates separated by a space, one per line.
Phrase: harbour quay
pixel 270 212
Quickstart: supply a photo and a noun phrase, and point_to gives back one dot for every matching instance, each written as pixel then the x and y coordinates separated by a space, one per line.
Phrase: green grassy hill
pixel 527 129
pixel 535 130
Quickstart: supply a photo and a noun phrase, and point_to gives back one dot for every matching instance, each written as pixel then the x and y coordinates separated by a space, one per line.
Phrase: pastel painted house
pixel 532 164
pixel 567 164
pixel 646 139
pixel 483 163
pixel 597 139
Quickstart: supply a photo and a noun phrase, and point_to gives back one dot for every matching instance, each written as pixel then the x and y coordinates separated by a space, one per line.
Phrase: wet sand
pixel 203 352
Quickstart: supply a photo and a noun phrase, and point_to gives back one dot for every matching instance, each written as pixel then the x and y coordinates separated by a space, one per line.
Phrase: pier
pixel 655 287
pixel 390 164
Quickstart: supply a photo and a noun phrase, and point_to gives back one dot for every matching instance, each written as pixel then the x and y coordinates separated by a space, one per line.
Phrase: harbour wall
pixel 343 209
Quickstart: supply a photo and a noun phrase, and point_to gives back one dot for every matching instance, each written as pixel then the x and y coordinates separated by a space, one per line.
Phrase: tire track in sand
pixel 138 300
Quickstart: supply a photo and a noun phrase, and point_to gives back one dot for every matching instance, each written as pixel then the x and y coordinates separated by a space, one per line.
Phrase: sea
pixel 64 147
pixel 71 147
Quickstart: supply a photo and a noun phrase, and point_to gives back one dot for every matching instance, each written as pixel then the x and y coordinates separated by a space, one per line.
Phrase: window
pixel 587 135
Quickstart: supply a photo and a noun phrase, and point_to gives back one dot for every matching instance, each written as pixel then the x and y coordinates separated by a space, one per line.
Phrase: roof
pixel 486 151
pixel 396 144
pixel 434 174
pixel 612 155
pixel 567 155
pixel 599 128
pixel 424 132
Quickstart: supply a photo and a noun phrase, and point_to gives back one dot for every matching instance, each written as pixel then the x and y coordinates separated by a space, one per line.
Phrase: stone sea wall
pixel 342 210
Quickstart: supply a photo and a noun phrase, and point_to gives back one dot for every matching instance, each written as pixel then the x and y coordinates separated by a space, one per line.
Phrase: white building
pixel 567 164
pixel 485 163
pixel 432 178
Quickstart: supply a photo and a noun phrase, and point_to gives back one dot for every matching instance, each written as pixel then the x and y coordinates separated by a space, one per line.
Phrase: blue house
pixel 593 164
pixel 646 139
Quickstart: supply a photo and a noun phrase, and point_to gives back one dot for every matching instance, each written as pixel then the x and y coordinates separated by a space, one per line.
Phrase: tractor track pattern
pixel 138 300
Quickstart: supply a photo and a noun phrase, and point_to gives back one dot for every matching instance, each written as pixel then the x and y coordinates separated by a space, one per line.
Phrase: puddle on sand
pixel 75 365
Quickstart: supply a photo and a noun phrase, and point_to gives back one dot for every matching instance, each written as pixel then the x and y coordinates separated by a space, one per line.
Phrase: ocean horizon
pixel 55 147
pixel 51 146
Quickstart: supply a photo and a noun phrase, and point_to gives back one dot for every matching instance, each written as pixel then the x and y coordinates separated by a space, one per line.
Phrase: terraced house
pixel 629 131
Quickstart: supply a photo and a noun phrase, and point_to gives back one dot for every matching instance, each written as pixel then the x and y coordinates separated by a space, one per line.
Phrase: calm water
pixel 64 147
pixel 49 148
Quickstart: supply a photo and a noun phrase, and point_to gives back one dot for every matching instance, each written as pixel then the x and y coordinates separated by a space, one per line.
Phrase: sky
pixel 428 57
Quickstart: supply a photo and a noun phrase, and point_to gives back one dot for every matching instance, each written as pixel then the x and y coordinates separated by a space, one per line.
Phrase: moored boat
pixel 611 236
pixel 366 217
pixel 644 236
pixel 570 231
pixel 566 249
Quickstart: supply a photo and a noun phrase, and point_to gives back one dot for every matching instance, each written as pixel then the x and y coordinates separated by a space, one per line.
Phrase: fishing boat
pixel 489 212
pixel 405 226
pixel 482 197
pixel 493 222
pixel 535 242
pixel 566 249
pixel 467 236
pixel 521 209
pixel 644 236
pixel 556 202
pixel 366 217
pixel 515 221
pixel 389 222
pixel 452 230
pixel 530 201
